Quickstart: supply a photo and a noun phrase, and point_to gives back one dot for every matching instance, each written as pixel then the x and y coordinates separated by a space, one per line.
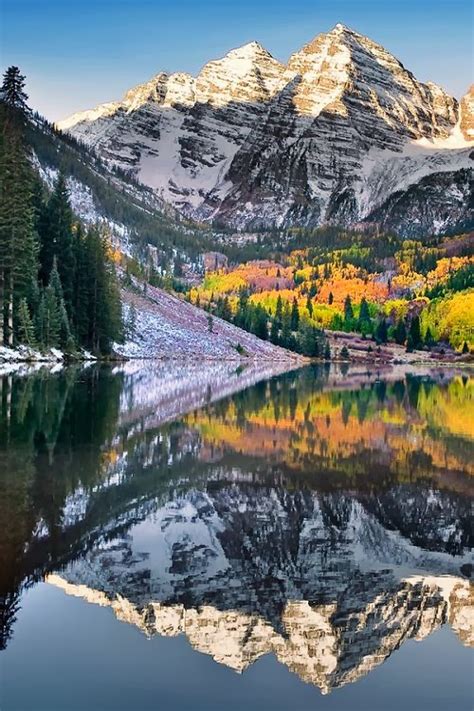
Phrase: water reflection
pixel 324 519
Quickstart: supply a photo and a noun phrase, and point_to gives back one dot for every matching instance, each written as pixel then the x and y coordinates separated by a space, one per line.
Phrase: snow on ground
pixel 168 327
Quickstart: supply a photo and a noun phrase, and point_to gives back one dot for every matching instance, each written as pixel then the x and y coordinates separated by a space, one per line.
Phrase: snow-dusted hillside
pixel 328 137
pixel 169 327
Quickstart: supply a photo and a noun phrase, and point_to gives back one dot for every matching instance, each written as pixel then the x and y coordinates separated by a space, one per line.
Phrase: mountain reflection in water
pixel 325 518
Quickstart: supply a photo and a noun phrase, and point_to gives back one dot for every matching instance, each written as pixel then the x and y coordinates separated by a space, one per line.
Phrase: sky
pixel 78 53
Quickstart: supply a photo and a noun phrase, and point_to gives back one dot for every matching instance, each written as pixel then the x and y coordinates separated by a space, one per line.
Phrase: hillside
pixel 168 327
pixel 134 214
pixel 341 134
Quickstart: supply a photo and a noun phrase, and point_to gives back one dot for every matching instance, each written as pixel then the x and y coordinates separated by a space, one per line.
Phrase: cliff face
pixel 250 142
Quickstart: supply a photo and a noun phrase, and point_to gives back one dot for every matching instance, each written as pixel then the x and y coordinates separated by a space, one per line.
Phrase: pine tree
pixel 274 332
pixel 330 298
pixel 56 236
pixel 105 315
pixel 259 322
pixel 309 306
pixel 295 315
pixel 381 331
pixel 26 330
pixel 465 348
pixel 400 332
pixel 66 340
pixel 13 91
pixel 364 323
pixel 18 252
pixel 48 320
pixel 348 310
pixel 278 312
pixel 414 339
pixel 345 353
pixel 285 337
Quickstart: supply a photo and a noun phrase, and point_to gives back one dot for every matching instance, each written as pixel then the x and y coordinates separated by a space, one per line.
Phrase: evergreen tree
pixel 274 332
pixel 310 340
pixel 48 320
pixel 364 323
pixel 18 246
pixel 259 322
pixel 465 348
pixel 400 332
pixel 309 306
pixel 278 312
pixel 56 236
pixel 105 319
pixel 13 91
pixel 330 298
pixel 26 329
pixel 285 337
pixel 295 315
pixel 66 340
pixel 345 353
pixel 381 331
pixel 414 339
pixel 348 312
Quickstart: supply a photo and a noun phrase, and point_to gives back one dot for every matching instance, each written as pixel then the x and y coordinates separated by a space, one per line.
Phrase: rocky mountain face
pixel 339 134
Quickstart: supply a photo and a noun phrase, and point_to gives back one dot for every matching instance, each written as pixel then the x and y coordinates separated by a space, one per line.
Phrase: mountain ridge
pixel 250 142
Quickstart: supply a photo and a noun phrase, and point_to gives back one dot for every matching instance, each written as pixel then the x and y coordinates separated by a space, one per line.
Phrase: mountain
pixel 342 133
pixel 134 214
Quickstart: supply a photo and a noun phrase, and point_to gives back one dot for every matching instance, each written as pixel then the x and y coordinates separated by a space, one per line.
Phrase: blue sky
pixel 77 53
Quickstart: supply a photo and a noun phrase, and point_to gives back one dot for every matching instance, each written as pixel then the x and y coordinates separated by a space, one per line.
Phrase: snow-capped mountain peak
pixel 253 142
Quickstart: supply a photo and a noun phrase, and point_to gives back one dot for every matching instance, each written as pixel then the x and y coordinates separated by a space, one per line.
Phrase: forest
pixel 58 284
pixel 417 293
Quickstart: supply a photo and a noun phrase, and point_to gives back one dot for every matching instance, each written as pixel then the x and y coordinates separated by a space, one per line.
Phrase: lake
pixel 215 536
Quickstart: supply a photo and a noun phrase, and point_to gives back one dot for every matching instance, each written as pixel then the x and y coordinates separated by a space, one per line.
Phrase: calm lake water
pixel 190 538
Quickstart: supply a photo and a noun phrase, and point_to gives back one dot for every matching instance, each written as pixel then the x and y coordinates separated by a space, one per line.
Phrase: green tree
pixel 295 315
pixel 348 312
pixel 56 235
pixel 364 324
pixel 414 339
pixel 381 331
pixel 18 244
pixel 260 322
pixel 278 312
pixel 48 320
pixel 400 332
pixel 285 337
pixel 26 329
